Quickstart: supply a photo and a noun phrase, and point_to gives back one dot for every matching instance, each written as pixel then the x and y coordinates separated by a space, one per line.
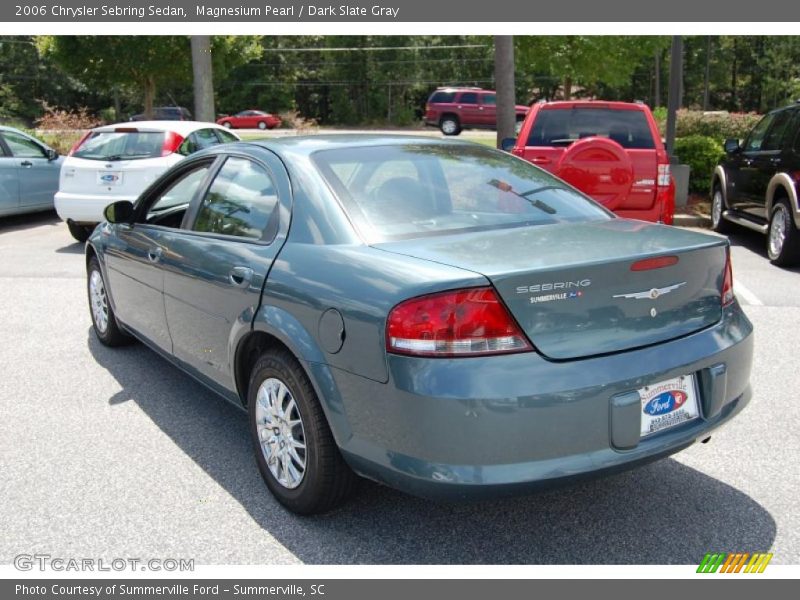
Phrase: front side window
pixel 414 190
pixel 776 135
pixel 240 202
pixel 442 97
pixel 225 136
pixel 21 146
pixel 177 196
pixel 489 99
pixel 756 138
pixel 468 98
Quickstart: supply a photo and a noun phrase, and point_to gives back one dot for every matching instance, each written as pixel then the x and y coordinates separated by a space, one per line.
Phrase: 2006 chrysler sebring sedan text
pixel 438 316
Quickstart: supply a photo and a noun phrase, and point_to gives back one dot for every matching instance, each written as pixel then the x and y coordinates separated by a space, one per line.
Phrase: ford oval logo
pixel 110 178
pixel 665 403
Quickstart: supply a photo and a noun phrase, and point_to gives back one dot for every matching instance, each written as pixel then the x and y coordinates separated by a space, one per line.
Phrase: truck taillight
pixel 468 322
pixel 663 175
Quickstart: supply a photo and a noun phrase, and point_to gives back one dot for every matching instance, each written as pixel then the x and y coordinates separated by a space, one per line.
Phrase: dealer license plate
pixel 668 404
pixel 109 178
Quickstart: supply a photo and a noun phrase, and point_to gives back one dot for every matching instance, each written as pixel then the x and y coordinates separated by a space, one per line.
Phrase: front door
pixel 38 176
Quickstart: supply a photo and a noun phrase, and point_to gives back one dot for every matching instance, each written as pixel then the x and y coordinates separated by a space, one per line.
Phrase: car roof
pixel 183 128
pixel 309 144
pixel 612 104
pixel 15 130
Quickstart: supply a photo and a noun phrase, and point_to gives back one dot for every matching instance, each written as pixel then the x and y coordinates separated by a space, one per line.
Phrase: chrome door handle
pixel 154 254
pixel 240 276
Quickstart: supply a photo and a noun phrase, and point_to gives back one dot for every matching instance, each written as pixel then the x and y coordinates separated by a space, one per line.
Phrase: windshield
pixel 414 190
pixel 121 145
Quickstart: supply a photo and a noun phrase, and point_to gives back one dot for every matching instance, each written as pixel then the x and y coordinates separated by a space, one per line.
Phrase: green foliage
pixel 717 125
pixel 701 153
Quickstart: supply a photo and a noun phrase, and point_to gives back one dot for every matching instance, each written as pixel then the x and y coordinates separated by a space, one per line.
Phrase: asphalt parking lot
pixel 115 453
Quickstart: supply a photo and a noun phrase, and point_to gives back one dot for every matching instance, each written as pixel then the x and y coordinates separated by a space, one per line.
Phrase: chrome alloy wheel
pixel 280 433
pixel 716 208
pixel 97 294
pixel 778 230
pixel 449 126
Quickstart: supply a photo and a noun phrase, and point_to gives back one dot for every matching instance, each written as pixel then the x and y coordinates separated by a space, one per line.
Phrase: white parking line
pixel 745 294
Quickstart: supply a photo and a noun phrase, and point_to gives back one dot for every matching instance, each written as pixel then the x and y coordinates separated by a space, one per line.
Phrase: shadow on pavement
pixel 755 243
pixel 74 248
pixel 663 513
pixel 28 221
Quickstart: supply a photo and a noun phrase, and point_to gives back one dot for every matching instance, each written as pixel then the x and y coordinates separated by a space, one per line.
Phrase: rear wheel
pixel 104 322
pixel 262 125
pixel 81 233
pixel 449 125
pixel 783 238
pixel 718 222
pixel 294 447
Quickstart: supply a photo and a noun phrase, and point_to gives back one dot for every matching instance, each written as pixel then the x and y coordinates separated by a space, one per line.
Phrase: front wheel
pixel 227 125
pixel 450 126
pixel 718 222
pixel 104 322
pixel 783 238
pixel 294 447
pixel 262 125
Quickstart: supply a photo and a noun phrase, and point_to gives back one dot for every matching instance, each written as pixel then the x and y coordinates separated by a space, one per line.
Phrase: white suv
pixel 117 162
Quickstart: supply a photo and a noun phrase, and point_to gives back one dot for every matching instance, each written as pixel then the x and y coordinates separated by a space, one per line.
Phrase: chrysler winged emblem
pixel 651 294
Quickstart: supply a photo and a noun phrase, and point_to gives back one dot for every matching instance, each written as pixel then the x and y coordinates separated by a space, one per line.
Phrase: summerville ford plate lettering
pixel 434 315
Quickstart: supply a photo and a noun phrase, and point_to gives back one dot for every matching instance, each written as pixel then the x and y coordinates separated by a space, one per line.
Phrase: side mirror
pixel 731 145
pixel 51 154
pixel 119 212
pixel 507 144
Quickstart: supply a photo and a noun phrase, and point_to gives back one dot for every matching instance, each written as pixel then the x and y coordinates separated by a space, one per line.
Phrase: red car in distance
pixel 250 119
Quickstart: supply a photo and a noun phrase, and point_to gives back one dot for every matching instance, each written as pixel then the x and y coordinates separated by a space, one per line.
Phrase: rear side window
pixel 121 145
pixel 443 97
pixel 240 202
pixel 561 127
pixel 468 98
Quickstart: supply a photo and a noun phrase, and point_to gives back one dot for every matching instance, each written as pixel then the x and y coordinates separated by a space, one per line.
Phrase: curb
pixel 692 221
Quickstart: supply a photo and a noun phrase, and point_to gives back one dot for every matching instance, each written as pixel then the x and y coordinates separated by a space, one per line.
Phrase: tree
pixel 203 78
pixel 504 81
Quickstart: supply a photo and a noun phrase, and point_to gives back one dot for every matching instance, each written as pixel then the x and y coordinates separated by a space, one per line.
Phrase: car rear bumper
pixel 85 208
pixel 459 428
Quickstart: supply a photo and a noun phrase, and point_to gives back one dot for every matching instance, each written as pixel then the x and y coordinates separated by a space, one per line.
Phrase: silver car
pixel 29 172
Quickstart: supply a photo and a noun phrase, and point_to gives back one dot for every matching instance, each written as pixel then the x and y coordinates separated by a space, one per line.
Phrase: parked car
pixel 755 184
pixel 166 113
pixel 29 172
pixel 611 151
pixel 250 119
pixel 452 109
pixel 117 162
pixel 441 317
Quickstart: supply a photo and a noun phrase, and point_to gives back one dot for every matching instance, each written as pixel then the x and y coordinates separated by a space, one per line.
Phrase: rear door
pixel 216 265
pixel 469 111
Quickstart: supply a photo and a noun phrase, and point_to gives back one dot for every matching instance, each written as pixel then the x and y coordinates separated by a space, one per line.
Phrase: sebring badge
pixel 651 294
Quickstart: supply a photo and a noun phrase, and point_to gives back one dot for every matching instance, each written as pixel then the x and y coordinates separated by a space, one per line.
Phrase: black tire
pixel 327 481
pixel 111 334
pixel 718 222
pixel 81 233
pixel 227 124
pixel 450 125
pixel 262 125
pixel 783 252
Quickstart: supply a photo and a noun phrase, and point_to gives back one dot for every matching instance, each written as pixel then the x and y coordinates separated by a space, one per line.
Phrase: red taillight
pixel 467 322
pixel 172 142
pixel 663 175
pixel 659 262
pixel 727 280
pixel 79 143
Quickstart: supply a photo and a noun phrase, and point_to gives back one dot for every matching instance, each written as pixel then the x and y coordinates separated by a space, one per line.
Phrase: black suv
pixel 755 185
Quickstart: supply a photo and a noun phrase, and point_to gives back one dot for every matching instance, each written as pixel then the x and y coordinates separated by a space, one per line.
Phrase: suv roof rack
pixel 460 87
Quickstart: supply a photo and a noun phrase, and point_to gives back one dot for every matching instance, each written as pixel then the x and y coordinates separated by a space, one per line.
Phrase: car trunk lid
pixel 574 289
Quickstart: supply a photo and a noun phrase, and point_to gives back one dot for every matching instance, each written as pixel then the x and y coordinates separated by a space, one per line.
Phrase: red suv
pixel 611 151
pixel 452 109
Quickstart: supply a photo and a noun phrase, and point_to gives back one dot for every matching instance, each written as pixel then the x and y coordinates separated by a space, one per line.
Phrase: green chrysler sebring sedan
pixel 438 316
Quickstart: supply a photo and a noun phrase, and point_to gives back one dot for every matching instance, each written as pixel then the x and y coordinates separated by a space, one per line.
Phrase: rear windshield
pixel 121 145
pixel 414 190
pixel 561 127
